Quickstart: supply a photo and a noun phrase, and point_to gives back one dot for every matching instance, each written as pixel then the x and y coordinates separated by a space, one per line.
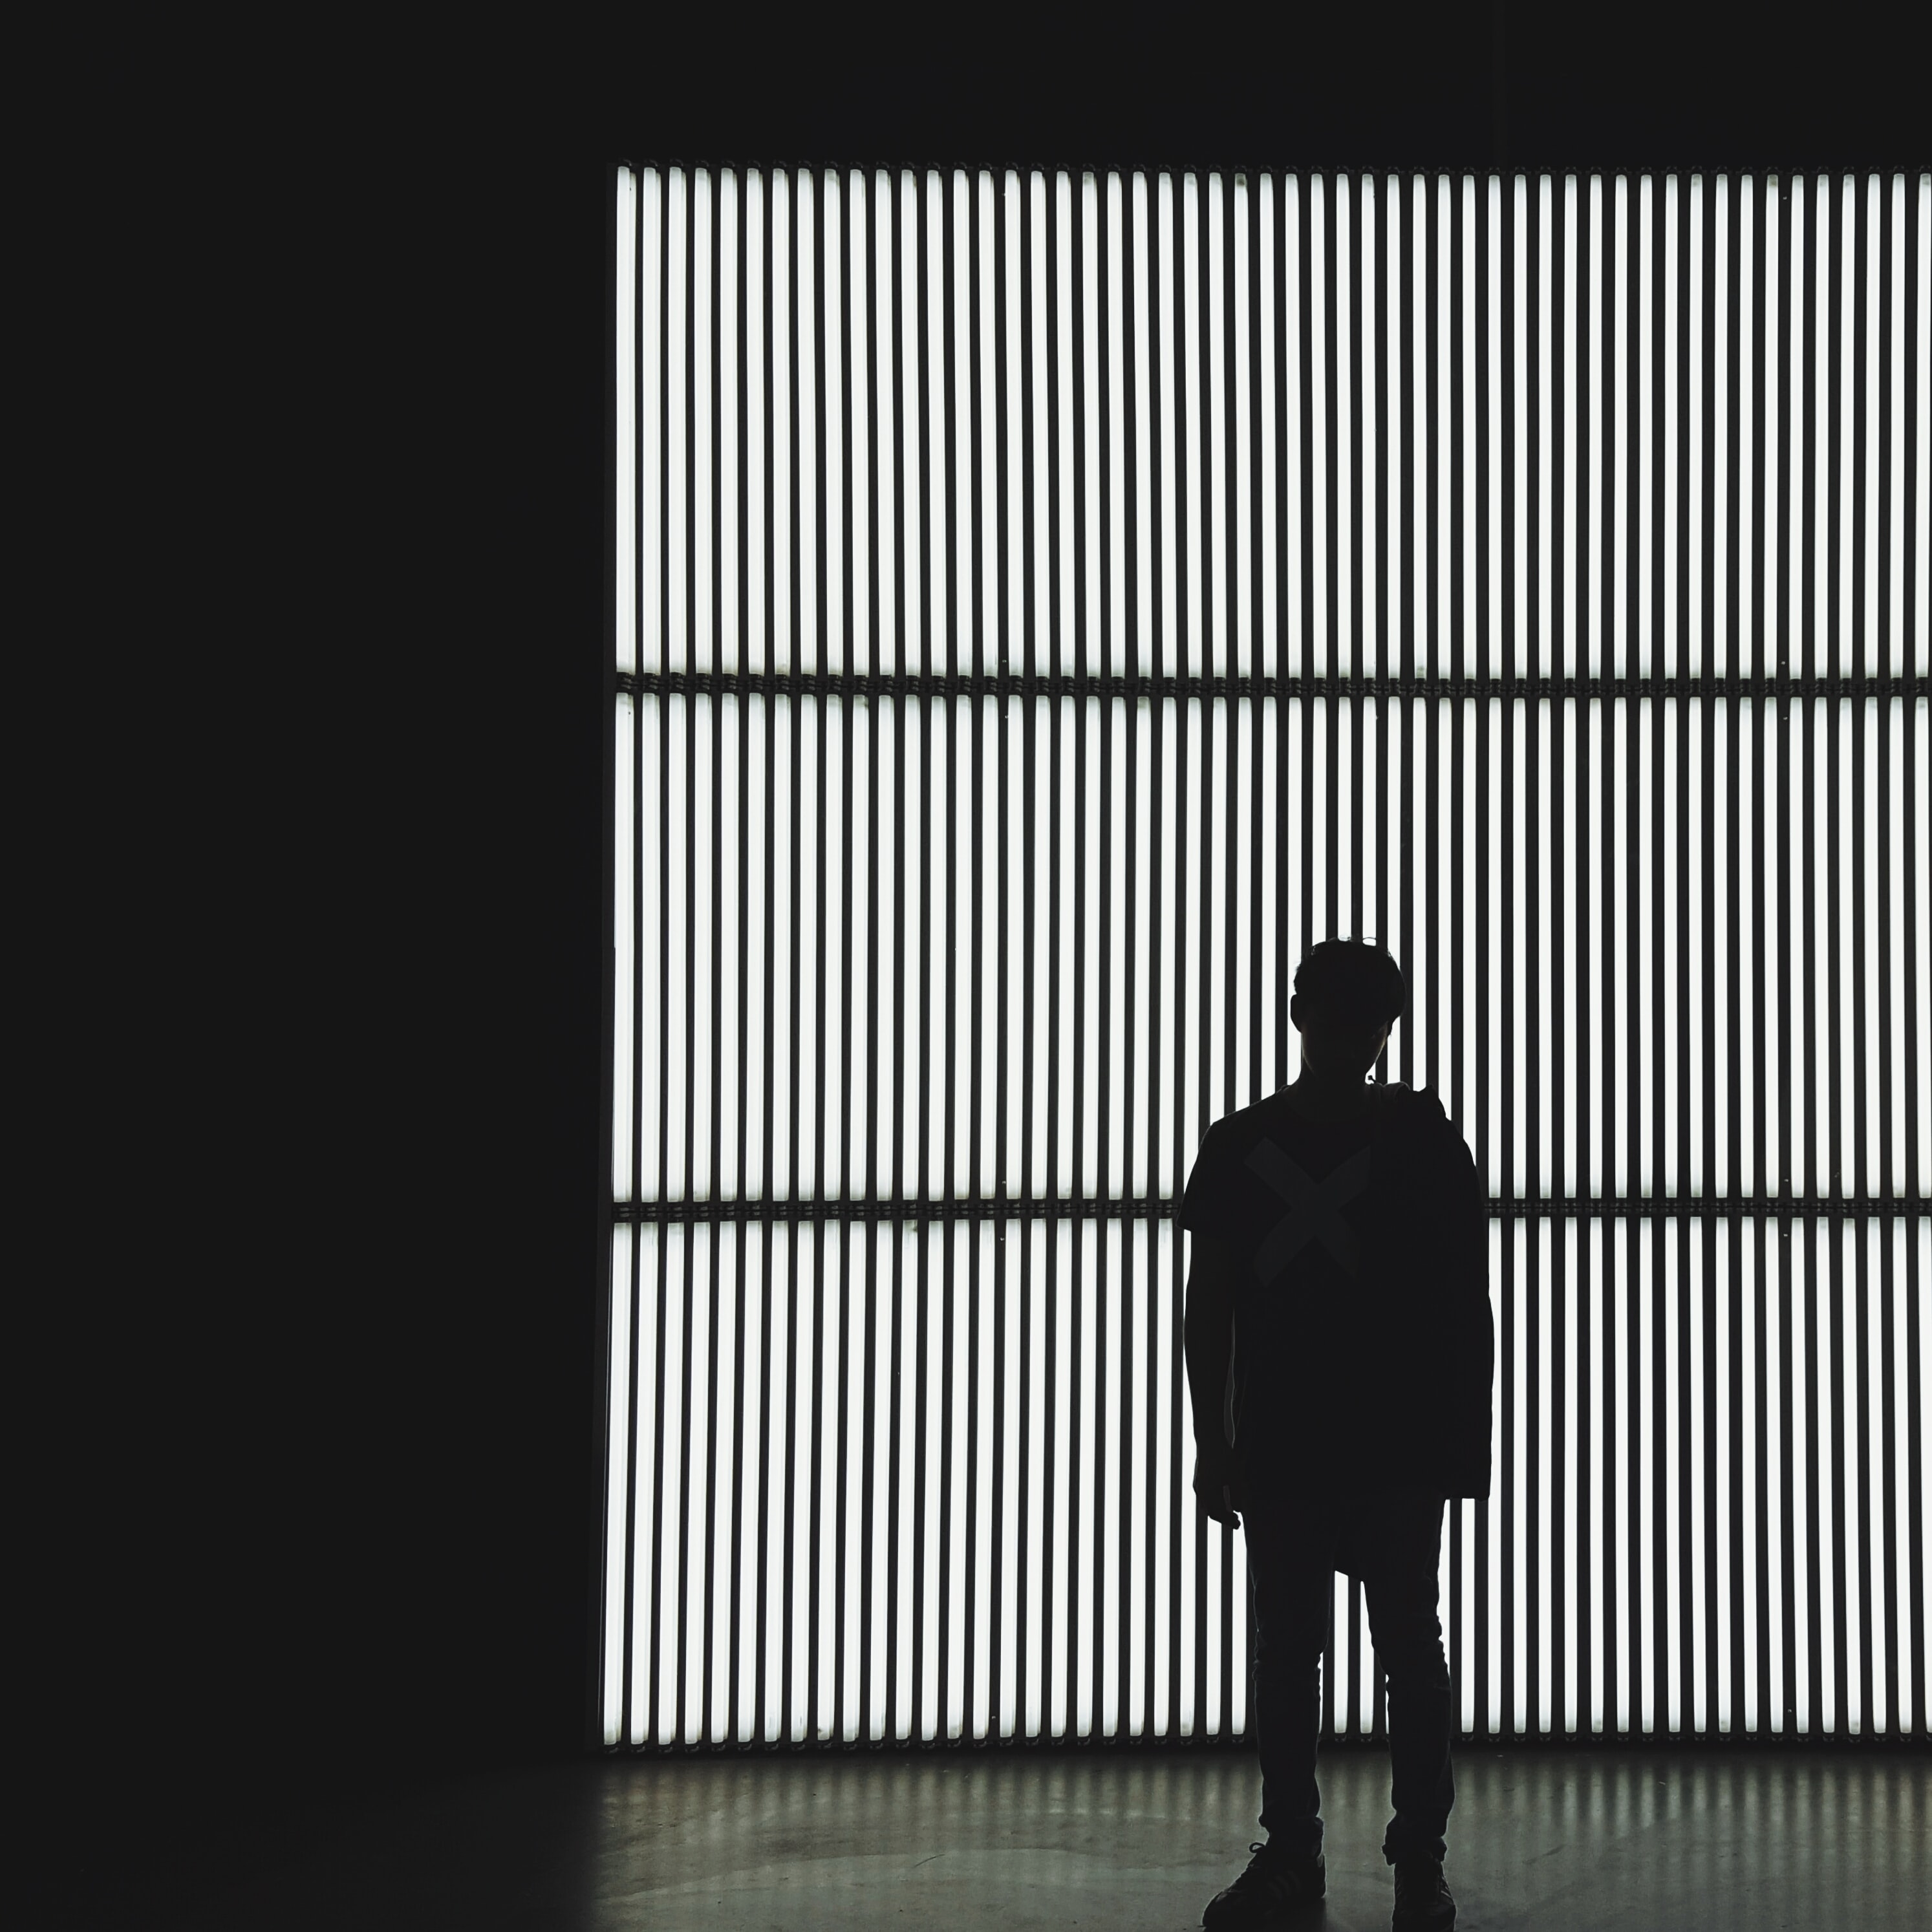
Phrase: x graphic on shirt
pixel 1316 1213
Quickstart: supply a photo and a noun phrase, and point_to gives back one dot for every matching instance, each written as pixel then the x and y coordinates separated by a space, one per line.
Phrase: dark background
pixel 317 845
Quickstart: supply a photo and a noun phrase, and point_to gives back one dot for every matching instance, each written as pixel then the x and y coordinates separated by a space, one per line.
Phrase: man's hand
pixel 1217 1483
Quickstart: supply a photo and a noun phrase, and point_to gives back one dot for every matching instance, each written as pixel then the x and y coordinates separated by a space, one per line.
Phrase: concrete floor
pixel 1650 1841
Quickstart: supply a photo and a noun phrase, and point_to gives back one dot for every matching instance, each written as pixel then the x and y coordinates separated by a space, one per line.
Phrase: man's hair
pixel 1352 982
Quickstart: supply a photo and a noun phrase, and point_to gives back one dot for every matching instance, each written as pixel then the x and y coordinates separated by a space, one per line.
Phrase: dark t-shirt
pixel 1363 1343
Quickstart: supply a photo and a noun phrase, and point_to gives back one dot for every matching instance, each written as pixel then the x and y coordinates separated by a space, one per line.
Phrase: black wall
pixel 316 1470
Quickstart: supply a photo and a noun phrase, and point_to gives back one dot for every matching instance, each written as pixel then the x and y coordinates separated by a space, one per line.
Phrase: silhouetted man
pixel 1340 1350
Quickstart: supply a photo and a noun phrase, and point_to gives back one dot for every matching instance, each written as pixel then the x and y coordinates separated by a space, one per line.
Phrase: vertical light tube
pixel 698 1610
pixel 664 1333
pixel 1547 1690
pixel 727 1184
pixel 1271 619
pixel 730 321
pixel 1910 1692
pixel 1297 311
pixel 1167 1453
pixel 1400 571
pixel 1361 340
pixel 830 189
pixel 649 322
pixel 1083 1280
pixel 1730 1439
pixel 709 212
pixel 982 1422
pixel 1463 1033
pixel 1697 1181
pixel 1119 719
pixel 1010 1698
pixel 874 1239
pixel 1314 310
pixel 1009 716
pixel 624 1008
pixel 784 647
pixel 1575 1671
pixel 1043 1646
pixel 624 375
pixel 617 1487
pixel 1237 566
pixel 757 214
pixel 1345 349
pixel 1199 960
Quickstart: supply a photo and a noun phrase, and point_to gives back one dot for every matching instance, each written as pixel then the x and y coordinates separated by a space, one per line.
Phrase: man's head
pixel 1347 994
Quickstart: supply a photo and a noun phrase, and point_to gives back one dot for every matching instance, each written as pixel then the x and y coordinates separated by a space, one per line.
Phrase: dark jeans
pixel 1392 1544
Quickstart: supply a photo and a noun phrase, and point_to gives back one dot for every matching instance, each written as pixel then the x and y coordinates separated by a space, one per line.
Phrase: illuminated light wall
pixel 1044 606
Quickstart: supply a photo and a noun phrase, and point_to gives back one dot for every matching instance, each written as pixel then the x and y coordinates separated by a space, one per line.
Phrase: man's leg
pixel 1397 1542
pixel 1291 1591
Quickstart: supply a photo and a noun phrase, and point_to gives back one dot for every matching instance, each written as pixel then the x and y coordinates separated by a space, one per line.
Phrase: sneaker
pixel 1278 1883
pixel 1422 1898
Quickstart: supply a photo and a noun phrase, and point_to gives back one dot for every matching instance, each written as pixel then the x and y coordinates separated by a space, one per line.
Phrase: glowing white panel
pixel 664 920
pixel 1131 1174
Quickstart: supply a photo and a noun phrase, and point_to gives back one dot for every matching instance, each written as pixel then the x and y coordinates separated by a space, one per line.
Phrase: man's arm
pixel 1208 1325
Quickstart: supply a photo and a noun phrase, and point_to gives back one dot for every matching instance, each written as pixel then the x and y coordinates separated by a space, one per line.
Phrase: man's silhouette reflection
pixel 1340 1350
